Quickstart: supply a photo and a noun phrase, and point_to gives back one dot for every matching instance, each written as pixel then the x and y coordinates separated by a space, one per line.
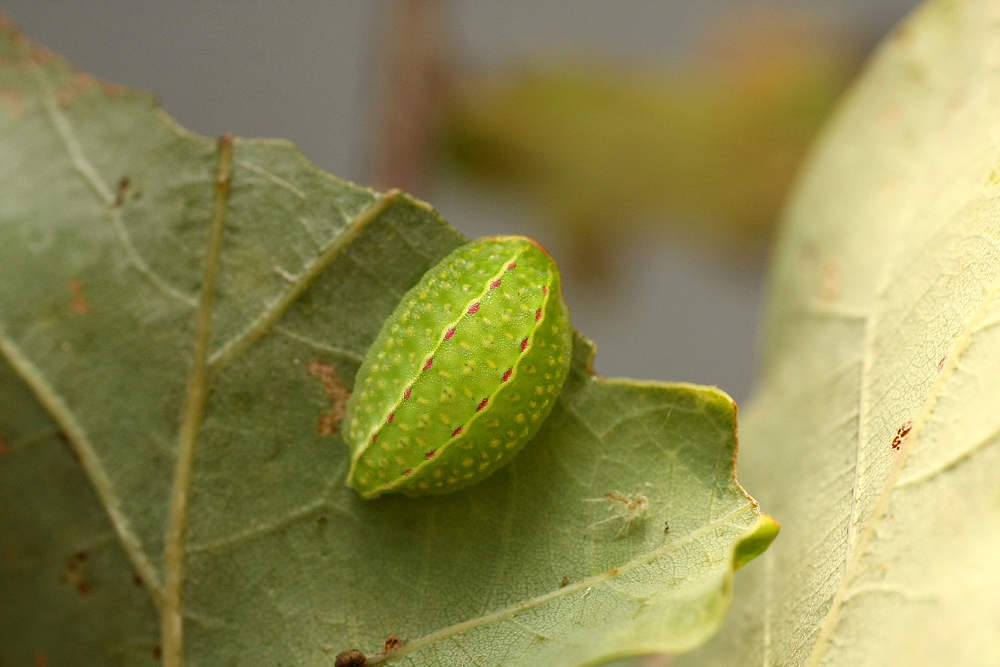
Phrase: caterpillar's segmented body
pixel 463 373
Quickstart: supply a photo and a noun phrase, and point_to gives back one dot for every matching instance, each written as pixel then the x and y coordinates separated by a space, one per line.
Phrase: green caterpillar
pixel 462 374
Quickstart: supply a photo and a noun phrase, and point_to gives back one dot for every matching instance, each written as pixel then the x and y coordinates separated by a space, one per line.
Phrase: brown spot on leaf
pixel 81 555
pixel 79 304
pixel 352 658
pixel 13 101
pixel 4 448
pixel 121 192
pixel 392 642
pixel 114 89
pixel 39 659
pixel 901 434
pixel 76 86
pixel 565 581
pixel 137 580
pixel 830 288
pixel 82 587
pixel 336 391
pixel 9 554
pixel 940 365
pixel 157 652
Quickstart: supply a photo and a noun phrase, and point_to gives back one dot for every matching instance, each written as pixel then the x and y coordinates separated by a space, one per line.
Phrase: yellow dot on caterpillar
pixel 464 345
pixel 485 455
pixel 439 485
pixel 507 317
pixel 493 423
pixel 552 361
pixel 519 418
pixel 424 485
pixel 363 480
pixel 452 480
pixel 447 307
pixel 383 463
pixel 508 335
pixel 404 427
pixel 468 366
pixel 548 376
pixel 525 307
pixel 466 444
pixel 562 358
pixel 423 400
pixel 484 466
pixel 444 374
pixel 443 275
pixel 404 318
pixel 495 442
pixel 491 364
pixel 380 355
pixel 535 416
pixel 423 445
pixel 469 475
pixel 539 389
pixel 423 294
pixel 468 392
pixel 423 421
pixel 368 409
pixel 466 287
pixel 384 445
pixel 532 404
pixel 438 474
pixel 374 368
pixel 551 388
pixel 445 419
pixel 488 342
pixel 380 384
pixel 428 332
pixel 511 434
pixel 447 394
pixel 532 370
pixel 397 359
pixel 409 331
pixel 400 460
pixel 468 462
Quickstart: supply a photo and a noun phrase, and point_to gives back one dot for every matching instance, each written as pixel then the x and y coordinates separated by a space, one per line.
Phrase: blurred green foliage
pixel 708 147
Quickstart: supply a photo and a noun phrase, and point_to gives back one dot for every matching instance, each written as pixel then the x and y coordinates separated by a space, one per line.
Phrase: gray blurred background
pixel 610 131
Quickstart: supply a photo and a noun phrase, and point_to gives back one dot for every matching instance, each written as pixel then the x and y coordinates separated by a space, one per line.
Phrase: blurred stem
pixel 410 87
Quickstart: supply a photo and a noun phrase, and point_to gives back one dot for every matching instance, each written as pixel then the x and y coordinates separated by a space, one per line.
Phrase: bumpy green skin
pixel 462 374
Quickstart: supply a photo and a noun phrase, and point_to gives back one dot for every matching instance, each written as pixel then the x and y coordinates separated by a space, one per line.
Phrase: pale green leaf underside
pixel 885 312
pixel 107 215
